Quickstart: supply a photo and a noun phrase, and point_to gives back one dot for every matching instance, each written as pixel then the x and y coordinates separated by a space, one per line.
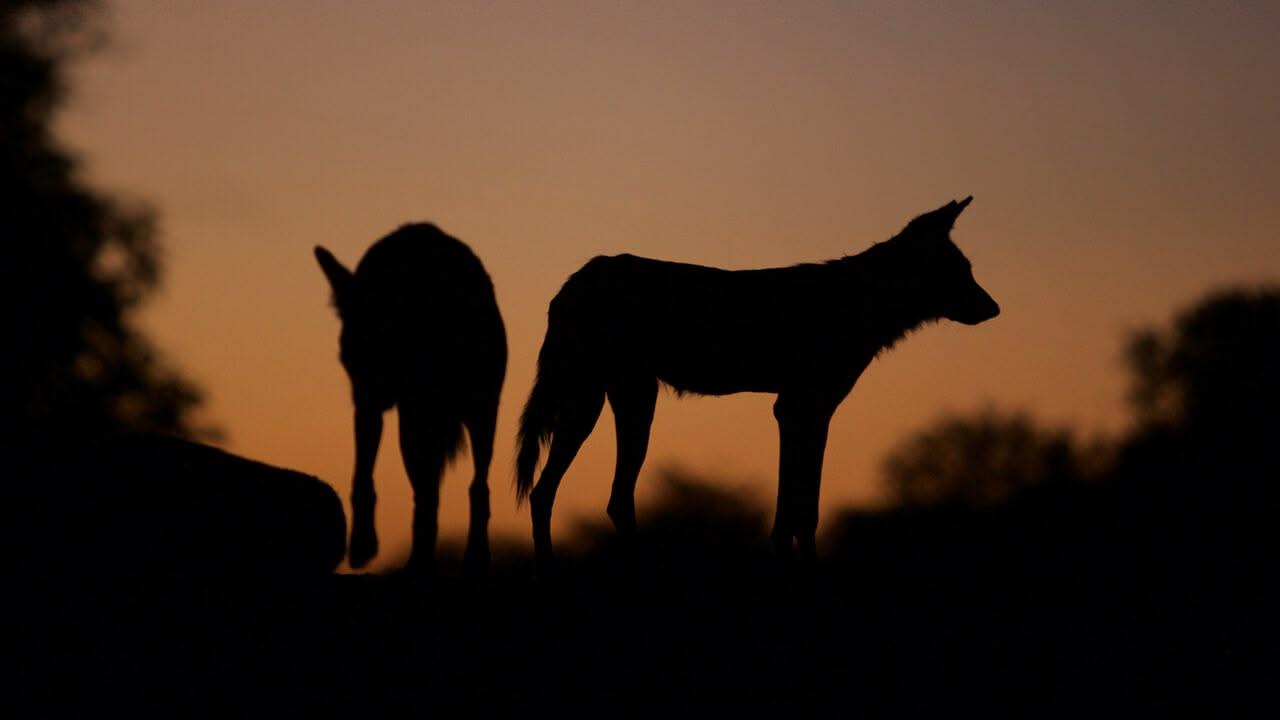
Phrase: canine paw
pixel 364 546
pixel 475 561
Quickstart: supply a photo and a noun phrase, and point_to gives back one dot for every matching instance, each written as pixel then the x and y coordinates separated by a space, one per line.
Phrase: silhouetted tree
pixel 979 460
pixel 1215 369
pixel 77 261
pixel 1206 392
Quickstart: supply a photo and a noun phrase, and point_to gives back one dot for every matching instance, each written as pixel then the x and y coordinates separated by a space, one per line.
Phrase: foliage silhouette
pixel 1205 392
pixel 79 261
pixel 1212 375
pixel 980 460
pixel 421 332
pixel 622 325
pixel 693 529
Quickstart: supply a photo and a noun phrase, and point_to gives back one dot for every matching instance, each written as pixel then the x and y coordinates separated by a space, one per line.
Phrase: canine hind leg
pixel 633 404
pixel 578 415
pixel 427 440
pixel 480 428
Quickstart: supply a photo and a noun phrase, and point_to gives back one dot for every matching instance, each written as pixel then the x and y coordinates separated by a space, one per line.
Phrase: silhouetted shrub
pixel 694 524
pixel 979 460
pixel 1207 387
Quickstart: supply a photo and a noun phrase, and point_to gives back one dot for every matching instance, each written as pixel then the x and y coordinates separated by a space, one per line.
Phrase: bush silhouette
pixel 1213 373
pixel 979 460
pixel 694 525
pixel 1205 393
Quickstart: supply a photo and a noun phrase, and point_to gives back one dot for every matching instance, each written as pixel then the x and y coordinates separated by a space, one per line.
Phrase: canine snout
pixel 978 307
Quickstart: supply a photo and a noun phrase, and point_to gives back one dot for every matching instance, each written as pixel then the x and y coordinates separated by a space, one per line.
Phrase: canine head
pixel 366 345
pixel 946 275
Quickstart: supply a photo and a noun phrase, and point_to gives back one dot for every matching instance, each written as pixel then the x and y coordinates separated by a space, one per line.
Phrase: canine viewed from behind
pixel 420 332
pixel 623 324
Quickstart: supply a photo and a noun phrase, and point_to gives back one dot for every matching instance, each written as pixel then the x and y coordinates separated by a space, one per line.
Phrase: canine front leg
pixel 364 536
pixel 810 482
pixel 781 536
pixel 475 559
pixel 802 434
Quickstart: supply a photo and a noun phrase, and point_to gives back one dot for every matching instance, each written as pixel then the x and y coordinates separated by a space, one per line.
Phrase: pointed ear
pixel 339 276
pixel 952 210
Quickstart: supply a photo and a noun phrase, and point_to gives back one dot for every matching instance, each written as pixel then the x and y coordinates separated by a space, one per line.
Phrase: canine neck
pixel 888 297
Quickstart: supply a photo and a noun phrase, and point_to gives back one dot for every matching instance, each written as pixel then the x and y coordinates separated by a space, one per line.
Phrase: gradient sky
pixel 1124 159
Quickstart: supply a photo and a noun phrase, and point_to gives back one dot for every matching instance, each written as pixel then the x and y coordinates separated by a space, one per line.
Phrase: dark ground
pixel 1065 605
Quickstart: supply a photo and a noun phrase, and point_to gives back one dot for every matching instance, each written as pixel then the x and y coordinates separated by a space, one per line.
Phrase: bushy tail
pixel 538 418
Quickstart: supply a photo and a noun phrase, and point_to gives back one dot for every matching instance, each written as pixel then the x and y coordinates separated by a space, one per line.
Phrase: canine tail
pixel 539 415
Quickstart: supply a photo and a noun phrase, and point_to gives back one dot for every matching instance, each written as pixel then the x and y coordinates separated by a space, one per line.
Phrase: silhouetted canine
pixel 420 330
pixel 621 324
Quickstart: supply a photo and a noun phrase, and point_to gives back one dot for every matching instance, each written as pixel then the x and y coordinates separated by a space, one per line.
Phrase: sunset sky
pixel 1124 158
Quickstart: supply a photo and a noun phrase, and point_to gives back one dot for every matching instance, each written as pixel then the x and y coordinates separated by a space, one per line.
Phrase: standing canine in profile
pixel 622 324
pixel 420 331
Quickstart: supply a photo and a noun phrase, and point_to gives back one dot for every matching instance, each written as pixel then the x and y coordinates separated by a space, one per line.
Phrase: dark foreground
pixel 1034 611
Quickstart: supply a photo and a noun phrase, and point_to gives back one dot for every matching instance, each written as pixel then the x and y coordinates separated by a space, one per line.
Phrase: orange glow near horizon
pixel 1123 162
